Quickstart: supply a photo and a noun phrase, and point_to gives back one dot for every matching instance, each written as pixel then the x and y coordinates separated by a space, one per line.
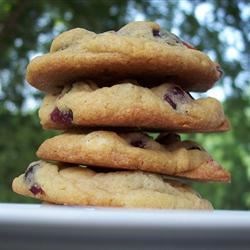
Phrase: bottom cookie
pixel 78 185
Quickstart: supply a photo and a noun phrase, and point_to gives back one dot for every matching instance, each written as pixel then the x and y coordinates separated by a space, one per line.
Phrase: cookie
pixel 83 186
pixel 134 151
pixel 165 107
pixel 139 50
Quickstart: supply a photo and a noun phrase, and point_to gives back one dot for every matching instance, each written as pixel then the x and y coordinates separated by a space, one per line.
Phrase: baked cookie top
pixel 74 185
pixel 139 50
pixel 126 104
pixel 134 151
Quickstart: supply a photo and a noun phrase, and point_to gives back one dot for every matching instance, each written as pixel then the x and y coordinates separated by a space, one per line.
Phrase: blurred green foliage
pixel 219 27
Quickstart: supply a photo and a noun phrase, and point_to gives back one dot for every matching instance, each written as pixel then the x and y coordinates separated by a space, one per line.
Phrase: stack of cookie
pixel 108 92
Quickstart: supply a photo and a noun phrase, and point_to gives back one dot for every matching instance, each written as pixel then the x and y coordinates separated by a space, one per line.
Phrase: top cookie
pixel 139 50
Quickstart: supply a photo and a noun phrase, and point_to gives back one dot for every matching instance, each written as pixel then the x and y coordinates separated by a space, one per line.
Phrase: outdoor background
pixel 221 28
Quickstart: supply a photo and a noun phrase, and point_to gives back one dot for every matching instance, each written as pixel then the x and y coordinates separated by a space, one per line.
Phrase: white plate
pixel 56 227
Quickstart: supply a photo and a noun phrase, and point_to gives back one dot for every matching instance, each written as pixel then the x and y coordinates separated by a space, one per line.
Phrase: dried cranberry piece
pixel 35 189
pixel 168 138
pixel 64 117
pixel 173 95
pixel 170 101
pixel 176 95
pixel 156 33
pixel 138 143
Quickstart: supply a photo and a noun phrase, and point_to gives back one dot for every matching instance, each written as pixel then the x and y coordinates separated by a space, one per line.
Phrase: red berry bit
pixel 176 96
pixel 64 117
pixel 170 101
pixel 35 189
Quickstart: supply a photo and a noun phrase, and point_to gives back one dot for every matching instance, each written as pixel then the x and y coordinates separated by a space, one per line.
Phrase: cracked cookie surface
pixel 165 107
pixel 139 50
pixel 134 151
pixel 76 185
